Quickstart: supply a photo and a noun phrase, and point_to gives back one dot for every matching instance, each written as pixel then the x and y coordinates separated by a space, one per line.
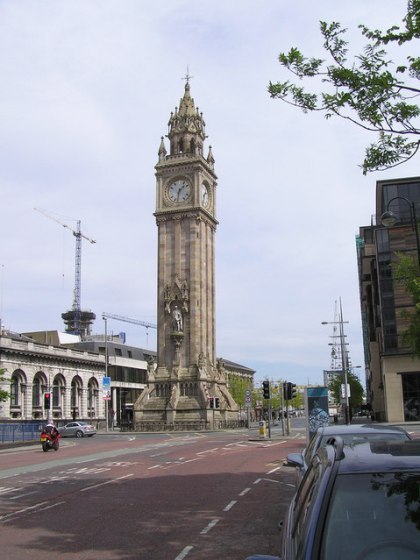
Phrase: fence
pixel 14 432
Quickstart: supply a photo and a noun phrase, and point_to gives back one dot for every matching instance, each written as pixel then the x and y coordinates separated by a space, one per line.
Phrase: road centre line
pixel 107 482
pixel 209 526
pixel 184 553
pixel 244 492
pixel 230 505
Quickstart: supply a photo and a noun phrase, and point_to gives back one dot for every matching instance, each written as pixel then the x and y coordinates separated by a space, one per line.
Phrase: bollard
pixel 263 429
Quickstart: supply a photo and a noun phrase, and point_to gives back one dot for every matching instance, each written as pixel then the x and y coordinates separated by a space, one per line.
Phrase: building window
pixel 411 396
pixel 36 392
pixel 14 391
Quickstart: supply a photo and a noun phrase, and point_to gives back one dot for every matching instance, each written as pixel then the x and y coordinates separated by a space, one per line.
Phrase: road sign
pixel 106 383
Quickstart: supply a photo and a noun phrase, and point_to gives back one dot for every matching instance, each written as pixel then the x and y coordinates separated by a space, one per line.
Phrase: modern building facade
pixel 393 374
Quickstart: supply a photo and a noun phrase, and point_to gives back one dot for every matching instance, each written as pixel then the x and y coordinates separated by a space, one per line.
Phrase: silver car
pixel 77 429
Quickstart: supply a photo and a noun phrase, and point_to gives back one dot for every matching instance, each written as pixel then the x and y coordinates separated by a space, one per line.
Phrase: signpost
pixel 106 393
pixel 248 406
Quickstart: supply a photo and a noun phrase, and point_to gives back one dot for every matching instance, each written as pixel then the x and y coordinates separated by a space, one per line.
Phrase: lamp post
pixel 389 219
pixel 106 368
pixel 340 323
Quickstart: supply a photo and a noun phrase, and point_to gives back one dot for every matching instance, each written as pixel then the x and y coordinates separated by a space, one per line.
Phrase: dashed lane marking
pixel 230 505
pixel 209 526
pixel 184 553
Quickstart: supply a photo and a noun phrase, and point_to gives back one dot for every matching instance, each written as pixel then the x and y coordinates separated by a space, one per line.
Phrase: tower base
pixel 180 401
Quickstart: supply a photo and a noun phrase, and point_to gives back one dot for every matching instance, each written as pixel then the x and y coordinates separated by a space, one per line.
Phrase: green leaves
pixel 369 91
pixel 4 395
pixel 406 271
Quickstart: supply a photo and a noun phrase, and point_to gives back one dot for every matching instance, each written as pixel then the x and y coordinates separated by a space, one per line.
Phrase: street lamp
pixel 389 219
pixel 106 368
pixel 343 362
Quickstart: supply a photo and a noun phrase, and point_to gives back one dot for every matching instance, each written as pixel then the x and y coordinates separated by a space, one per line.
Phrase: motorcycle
pixel 49 441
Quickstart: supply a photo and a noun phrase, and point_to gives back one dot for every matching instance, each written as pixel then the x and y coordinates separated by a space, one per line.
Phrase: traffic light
pixel 289 391
pixel 266 389
pixel 214 402
pixel 47 401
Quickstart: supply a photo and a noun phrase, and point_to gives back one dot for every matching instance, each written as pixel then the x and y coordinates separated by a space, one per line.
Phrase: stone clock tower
pixel 186 380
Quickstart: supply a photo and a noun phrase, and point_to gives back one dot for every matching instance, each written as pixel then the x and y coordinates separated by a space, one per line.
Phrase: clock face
pixel 204 195
pixel 179 191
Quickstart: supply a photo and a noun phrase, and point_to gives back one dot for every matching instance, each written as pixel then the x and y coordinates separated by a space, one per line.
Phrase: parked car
pixel 356 502
pixel 351 434
pixel 77 429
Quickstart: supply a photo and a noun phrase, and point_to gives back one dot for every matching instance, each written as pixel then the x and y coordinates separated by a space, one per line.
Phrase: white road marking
pixel 230 505
pixel 209 526
pixel 274 470
pixel 244 491
pixel 23 495
pixel 6 490
pixel 184 553
pixel 104 483
pixel 24 510
pixel 208 451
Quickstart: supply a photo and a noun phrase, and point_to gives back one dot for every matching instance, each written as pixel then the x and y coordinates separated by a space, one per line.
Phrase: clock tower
pixel 187 386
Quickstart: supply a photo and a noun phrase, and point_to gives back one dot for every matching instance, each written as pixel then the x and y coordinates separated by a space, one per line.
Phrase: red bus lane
pixel 187 496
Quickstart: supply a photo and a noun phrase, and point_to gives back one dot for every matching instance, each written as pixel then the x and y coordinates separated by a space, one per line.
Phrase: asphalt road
pixel 157 496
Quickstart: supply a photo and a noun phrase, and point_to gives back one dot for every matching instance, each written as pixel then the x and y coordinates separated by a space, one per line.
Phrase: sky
pixel 87 90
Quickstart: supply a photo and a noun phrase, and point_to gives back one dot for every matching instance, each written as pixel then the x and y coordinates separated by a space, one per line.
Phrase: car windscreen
pixel 353 439
pixel 373 516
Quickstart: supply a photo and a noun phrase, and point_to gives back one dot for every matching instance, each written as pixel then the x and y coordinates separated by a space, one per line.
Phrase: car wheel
pixel 79 433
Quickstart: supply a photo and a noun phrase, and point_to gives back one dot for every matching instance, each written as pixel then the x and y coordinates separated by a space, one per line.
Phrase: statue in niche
pixel 221 369
pixel 177 319
pixel 150 368
pixel 167 294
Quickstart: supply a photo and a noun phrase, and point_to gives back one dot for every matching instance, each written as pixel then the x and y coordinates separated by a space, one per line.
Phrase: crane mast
pixel 77 321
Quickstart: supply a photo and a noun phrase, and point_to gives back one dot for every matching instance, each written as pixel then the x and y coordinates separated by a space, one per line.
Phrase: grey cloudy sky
pixel 87 90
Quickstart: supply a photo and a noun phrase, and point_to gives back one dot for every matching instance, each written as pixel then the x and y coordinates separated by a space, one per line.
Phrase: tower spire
pixel 186 126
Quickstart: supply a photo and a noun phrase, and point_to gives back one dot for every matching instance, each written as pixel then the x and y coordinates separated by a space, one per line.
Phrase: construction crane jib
pixel 128 320
pixel 78 260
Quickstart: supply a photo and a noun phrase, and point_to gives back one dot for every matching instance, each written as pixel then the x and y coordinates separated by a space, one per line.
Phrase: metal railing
pixel 15 432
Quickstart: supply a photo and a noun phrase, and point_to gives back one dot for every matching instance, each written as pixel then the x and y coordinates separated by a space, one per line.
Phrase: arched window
pixel 36 391
pixel 14 391
pixel 92 397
